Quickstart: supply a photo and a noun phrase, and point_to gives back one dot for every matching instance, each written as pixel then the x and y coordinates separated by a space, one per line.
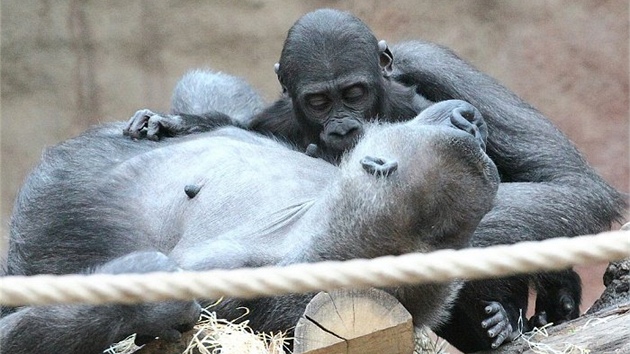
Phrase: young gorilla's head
pixel 333 69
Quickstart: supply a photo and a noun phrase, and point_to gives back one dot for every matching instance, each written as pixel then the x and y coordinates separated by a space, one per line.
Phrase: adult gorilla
pixel 232 198
pixel 336 76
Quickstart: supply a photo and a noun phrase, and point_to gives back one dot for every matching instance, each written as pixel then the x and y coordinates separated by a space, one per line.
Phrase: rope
pixel 415 268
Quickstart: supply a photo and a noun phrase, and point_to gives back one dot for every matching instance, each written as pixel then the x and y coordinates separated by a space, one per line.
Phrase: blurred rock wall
pixel 70 64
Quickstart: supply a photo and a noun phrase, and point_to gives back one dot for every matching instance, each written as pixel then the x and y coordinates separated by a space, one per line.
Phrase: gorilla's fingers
pixel 494 320
pixel 137 122
pixel 503 335
pixel 163 125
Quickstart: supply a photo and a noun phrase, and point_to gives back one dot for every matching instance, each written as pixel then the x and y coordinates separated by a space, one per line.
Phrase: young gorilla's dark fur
pixel 232 198
pixel 335 76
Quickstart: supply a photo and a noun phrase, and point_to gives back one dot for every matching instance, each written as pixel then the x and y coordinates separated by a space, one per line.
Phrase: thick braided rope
pixel 439 266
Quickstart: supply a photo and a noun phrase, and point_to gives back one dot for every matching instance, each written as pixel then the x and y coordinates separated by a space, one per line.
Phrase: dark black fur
pixel 104 203
pixel 549 190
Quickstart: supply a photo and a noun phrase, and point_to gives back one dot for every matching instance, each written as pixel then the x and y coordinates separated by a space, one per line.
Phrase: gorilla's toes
pixel 497 324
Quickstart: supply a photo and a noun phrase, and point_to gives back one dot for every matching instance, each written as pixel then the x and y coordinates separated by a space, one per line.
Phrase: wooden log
pixel 354 322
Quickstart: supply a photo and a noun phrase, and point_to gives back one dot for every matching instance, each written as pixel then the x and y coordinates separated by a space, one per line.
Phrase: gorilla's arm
pixel 278 120
pixel 553 192
pixel 156 126
pixel 203 100
pixel 548 191
pixel 60 329
pixel 90 329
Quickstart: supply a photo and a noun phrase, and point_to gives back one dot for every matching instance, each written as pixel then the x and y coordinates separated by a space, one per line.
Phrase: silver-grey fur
pixel 196 93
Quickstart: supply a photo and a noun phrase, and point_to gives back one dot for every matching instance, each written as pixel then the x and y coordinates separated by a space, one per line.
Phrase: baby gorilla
pixel 103 203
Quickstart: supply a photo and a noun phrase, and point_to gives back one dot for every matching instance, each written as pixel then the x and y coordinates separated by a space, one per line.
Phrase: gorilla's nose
pixel 456 114
pixel 342 135
pixel 468 118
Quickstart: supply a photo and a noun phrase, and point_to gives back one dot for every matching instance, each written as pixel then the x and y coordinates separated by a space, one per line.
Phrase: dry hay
pixel 534 338
pixel 216 336
pixel 219 336
pixel 125 346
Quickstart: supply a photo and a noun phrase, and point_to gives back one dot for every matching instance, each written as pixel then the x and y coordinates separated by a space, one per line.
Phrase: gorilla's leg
pixel 87 329
pixel 558 297
pixel 491 322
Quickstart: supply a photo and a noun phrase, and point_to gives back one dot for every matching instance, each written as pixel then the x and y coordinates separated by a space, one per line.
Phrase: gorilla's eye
pixel 318 102
pixel 353 93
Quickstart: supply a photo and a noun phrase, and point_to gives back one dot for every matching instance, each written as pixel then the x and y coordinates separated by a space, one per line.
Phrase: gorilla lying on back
pixel 103 203
pixel 336 76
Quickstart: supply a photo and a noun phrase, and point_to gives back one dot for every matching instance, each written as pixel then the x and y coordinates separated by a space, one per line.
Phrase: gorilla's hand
pixel 154 125
pixel 166 320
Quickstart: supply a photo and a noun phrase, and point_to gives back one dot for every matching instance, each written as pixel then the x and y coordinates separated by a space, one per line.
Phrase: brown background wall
pixel 69 64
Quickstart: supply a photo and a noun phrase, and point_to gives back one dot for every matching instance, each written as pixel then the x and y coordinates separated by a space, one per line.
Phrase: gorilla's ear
pixel 276 69
pixel 385 58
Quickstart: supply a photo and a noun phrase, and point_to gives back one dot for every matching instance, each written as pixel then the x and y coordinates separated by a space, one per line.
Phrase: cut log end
pixel 354 321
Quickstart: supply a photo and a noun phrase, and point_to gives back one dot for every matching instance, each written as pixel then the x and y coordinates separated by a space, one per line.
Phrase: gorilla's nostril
pixel 352 131
pixel 379 167
pixel 336 135
pixel 467 114
pixel 343 132
pixel 341 135
pixel 346 135
pixel 468 119
pixel 462 119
